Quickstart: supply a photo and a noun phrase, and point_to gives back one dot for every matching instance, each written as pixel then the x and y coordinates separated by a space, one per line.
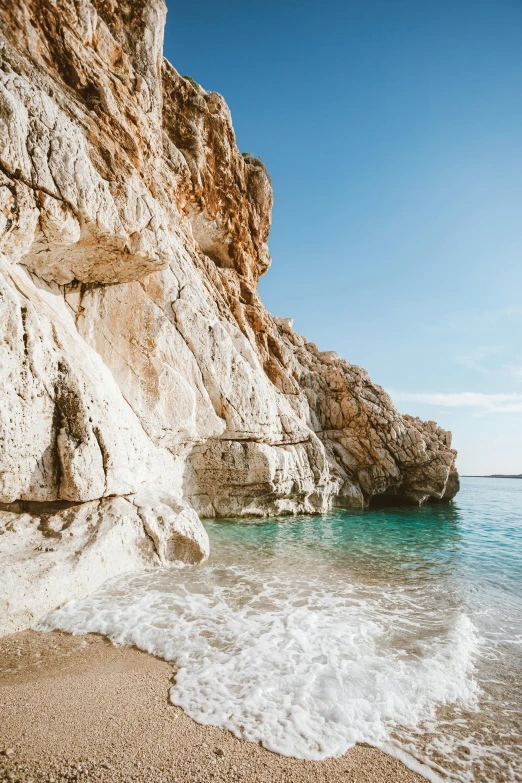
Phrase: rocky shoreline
pixel 143 384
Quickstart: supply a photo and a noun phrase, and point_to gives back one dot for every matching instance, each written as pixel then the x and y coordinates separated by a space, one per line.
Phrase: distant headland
pixel 497 475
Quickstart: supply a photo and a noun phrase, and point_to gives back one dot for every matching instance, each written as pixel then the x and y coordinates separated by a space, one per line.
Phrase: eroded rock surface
pixel 136 357
pixel 52 554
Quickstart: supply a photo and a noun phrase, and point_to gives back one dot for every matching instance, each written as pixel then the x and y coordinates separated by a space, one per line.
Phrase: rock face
pixel 142 380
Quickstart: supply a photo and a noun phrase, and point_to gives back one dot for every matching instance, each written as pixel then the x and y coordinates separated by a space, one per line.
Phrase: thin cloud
pixel 470 319
pixel 515 370
pixel 477 359
pixel 484 403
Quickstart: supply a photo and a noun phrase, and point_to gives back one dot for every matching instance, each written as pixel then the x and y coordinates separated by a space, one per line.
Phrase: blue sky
pixel 392 131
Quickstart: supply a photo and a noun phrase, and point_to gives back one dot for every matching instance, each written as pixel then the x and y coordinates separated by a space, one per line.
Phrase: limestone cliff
pixel 143 383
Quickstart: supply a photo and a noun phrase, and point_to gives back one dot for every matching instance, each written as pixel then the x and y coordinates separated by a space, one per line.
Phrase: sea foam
pixel 307 664
pixel 396 627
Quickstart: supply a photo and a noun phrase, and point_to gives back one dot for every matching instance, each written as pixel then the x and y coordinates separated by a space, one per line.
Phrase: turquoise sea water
pixel 401 627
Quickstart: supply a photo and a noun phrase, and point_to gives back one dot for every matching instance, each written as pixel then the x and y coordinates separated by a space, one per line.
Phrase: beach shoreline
pixel 79 708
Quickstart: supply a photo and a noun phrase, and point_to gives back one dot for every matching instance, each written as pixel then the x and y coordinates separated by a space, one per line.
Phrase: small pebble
pixel 8 752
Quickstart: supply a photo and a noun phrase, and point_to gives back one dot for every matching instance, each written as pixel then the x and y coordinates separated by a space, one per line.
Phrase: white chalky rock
pixel 53 556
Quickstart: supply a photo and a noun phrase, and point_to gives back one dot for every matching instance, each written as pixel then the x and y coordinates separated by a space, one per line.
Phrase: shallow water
pixel 397 627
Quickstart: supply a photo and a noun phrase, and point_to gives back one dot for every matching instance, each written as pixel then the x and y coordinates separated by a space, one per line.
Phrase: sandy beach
pixel 78 708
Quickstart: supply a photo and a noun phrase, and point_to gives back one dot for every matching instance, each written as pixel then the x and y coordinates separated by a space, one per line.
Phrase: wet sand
pixel 78 708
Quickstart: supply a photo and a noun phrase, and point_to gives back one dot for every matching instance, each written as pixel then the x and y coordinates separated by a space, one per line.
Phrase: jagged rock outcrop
pixel 136 357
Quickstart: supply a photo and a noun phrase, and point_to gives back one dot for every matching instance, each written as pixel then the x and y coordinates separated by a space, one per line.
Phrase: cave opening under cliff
pixel 390 500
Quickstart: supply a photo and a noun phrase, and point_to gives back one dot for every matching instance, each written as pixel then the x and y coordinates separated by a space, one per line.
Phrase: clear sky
pixel 392 130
